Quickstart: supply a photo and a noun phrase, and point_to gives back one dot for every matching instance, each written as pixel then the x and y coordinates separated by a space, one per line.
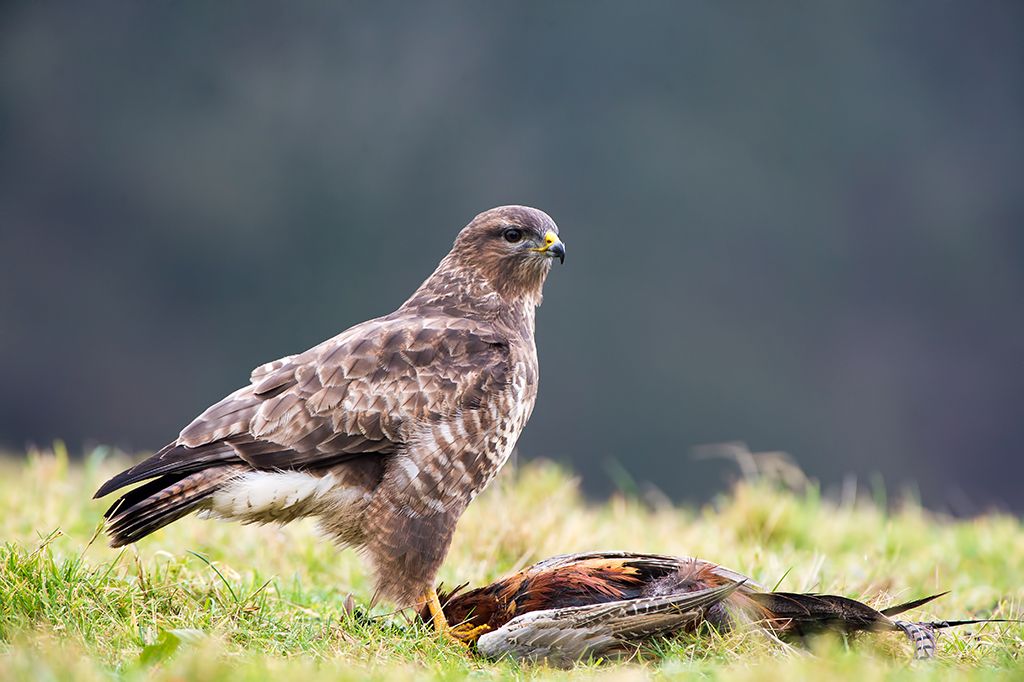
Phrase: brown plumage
pixel 385 432
pixel 598 604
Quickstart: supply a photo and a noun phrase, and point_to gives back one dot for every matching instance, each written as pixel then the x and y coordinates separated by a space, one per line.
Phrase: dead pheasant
pixel 577 607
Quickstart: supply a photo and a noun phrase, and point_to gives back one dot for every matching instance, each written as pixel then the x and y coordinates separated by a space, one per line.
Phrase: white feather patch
pixel 268 495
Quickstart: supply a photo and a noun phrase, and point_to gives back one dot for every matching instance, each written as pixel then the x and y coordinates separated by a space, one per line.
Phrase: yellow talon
pixel 464 633
pixel 467 634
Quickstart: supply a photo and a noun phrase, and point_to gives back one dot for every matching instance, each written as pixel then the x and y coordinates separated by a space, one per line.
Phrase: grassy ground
pixel 203 600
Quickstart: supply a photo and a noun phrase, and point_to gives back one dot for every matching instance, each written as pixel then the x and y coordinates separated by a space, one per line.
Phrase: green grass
pixel 203 600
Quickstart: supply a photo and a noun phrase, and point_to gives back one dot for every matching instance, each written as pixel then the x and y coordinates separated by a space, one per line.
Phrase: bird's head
pixel 512 247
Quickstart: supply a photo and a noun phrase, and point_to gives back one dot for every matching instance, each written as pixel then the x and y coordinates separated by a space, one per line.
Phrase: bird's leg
pixel 465 633
pixel 436 612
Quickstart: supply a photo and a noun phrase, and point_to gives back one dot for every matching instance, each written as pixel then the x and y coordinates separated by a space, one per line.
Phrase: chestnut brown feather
pixel 534 615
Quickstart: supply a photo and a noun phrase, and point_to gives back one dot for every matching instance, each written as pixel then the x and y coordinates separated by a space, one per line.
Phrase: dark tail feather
pixel 136 495
pixel 906 606
pixel 158 503
pixel 796 615
pixel 941 624
pixel 922 635
pixel 173 460
pixel 808 614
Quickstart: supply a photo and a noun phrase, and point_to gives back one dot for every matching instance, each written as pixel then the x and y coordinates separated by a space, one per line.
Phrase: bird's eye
pixel 512 235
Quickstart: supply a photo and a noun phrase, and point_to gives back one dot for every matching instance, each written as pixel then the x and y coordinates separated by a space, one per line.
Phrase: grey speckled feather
pixel 385 432
pixel 563 637
pixel 572 607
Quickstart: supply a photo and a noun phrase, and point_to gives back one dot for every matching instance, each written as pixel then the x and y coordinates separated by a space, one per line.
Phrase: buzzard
pixel 575 607
pixel 384 433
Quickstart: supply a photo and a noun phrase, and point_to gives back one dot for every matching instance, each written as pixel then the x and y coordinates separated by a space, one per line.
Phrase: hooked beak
pixel 553 247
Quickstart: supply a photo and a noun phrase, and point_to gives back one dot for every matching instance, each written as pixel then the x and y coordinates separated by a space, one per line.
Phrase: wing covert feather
pixel 355 393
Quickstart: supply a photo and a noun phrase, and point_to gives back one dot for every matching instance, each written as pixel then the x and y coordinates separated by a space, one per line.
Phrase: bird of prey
pixel 384 433
pixel 576 607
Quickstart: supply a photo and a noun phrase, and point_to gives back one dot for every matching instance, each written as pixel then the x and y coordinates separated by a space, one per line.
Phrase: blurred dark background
pixel 797 225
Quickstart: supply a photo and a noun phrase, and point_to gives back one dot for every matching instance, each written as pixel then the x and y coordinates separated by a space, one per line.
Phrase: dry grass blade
pixel 277 604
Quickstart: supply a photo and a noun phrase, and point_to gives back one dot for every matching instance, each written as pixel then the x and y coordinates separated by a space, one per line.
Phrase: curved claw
pixel 468 634
pixel 462 634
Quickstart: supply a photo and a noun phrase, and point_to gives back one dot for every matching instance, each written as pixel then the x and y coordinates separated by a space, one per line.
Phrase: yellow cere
pixel 550 239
